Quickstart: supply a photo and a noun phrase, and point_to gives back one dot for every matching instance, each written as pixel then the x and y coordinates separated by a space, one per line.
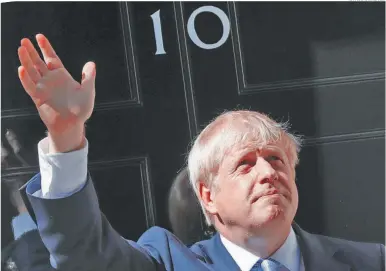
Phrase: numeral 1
pixel 159 41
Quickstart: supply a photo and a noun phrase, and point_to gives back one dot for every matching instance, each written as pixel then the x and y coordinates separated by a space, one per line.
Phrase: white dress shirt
pixel 288 254
pixel 63 174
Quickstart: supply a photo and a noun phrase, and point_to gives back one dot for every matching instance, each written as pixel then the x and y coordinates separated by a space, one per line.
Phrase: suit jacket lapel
pixel 218 255
pixel 318 256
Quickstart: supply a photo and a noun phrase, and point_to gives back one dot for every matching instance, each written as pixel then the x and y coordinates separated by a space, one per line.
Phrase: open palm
pixel 62 102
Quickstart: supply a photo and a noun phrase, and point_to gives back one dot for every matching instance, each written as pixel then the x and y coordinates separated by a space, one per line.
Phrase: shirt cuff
pixel 62 174
pixel 22 224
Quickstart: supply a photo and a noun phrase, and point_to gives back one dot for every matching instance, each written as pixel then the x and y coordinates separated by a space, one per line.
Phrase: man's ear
pixel 207 196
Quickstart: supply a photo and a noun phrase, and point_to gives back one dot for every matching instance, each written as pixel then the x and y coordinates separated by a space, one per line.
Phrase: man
pixel 242 167
pixel 27 251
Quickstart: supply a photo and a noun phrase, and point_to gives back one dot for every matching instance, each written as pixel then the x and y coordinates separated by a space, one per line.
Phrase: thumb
pixel 88 75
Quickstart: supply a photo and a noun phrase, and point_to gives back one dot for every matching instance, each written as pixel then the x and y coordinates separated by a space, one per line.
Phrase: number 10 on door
pixel 159 42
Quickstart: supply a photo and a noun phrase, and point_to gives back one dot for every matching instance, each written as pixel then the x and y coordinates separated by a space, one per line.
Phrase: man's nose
pixel 265 172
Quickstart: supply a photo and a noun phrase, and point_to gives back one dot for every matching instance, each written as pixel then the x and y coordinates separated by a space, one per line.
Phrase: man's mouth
pixel 265 194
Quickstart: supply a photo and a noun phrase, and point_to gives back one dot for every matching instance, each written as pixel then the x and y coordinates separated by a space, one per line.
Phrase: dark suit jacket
pixel 80 238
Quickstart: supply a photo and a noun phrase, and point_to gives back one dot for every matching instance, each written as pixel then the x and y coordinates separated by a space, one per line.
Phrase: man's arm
pixel 76 234
pixel 65 203
pixel 79 237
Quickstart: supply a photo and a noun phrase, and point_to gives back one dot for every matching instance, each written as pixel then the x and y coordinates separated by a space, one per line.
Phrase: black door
pixel 164 70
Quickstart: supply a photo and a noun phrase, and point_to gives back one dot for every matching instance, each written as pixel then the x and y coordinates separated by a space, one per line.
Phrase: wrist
pixel 70 140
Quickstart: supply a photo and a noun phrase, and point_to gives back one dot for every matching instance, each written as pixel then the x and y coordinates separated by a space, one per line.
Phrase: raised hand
pixel 63 104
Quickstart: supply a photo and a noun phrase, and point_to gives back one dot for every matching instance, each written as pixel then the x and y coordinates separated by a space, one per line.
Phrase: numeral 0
pixel 159 42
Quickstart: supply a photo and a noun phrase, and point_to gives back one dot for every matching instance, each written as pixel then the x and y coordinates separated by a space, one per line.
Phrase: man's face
pixel 255 188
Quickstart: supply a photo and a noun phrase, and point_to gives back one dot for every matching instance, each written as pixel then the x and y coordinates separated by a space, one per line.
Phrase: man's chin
pixel 270 214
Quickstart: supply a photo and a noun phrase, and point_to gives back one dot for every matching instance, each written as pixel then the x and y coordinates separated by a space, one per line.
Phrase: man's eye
pixel 272 158
pixel 243 162
pixel 246 162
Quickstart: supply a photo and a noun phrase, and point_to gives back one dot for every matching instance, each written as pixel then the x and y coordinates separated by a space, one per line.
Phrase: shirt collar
pixel 288 254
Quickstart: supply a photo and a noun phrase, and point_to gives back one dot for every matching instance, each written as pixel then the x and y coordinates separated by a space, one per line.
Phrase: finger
pixel 48 52
pixel 26 62
pixel 27 82
pixel 34 55
pixel 39 71
pixel 54 63
pixel 88 76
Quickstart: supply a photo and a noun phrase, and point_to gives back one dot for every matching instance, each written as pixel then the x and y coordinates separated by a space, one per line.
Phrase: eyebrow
pixel 244 152
pixel 247 150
